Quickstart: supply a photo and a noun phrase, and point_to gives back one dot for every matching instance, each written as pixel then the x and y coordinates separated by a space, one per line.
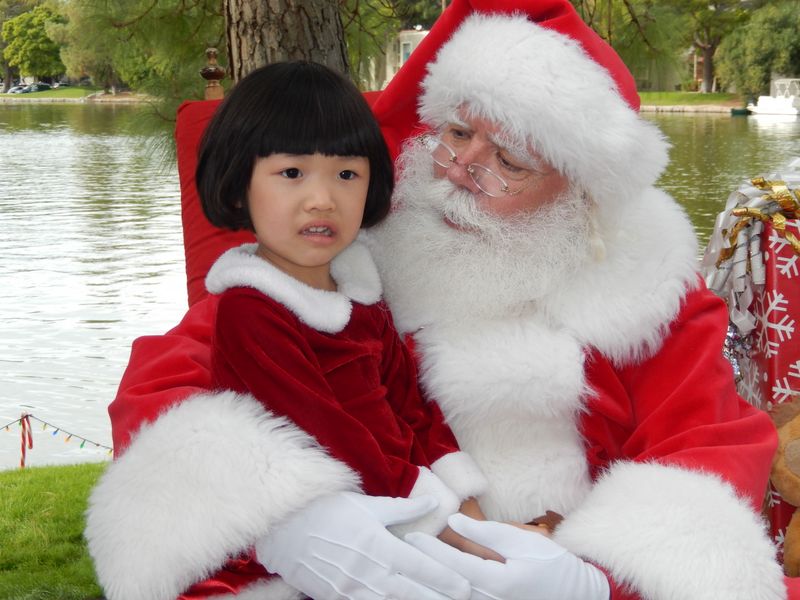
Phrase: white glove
pixel 338 548
pixel 536 567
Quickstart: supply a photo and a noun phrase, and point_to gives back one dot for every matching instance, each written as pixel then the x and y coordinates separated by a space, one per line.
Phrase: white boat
pixel 784 99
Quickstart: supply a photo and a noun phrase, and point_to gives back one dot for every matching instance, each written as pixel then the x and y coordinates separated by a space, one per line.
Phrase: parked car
pixel 17 89
pixel 35 87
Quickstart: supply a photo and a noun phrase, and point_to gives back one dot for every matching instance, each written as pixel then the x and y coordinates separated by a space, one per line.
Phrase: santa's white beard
pixel 492 267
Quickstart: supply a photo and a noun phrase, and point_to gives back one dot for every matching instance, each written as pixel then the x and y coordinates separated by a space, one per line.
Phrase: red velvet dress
pixel 354 390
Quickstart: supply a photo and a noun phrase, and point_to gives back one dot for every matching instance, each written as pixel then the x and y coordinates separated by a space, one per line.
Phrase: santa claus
pixel 559 322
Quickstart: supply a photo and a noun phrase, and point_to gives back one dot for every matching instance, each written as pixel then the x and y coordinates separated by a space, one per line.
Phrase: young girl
pixel 295 155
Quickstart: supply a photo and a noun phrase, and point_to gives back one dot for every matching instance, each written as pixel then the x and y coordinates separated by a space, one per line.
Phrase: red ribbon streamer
pixel 26 435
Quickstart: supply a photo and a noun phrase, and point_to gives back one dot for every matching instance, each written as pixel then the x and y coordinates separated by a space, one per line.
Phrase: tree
pixel 415 13
pixel 647 35
pixel 87 49
pixel 154 46
pixel 768 45
pixel 370 26
pixel 710 21
pixel 265 31
pixel 28 45
pixel 8 10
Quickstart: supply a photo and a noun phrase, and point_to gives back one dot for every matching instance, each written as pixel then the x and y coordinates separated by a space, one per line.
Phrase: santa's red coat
pixel 660 470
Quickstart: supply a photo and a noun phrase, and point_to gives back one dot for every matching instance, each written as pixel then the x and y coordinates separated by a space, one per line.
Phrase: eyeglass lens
pixel 486 180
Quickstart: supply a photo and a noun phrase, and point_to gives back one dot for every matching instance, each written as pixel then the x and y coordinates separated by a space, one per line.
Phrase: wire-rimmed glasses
pixel 489 182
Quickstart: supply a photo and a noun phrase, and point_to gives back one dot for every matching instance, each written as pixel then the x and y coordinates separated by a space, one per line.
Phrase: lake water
pixel 91 254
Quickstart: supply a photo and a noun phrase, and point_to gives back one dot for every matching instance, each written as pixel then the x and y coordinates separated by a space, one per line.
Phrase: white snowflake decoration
pixel 779 538
pixel 774 303
pixel 777 242
pixel 788 266
pixel 773 498
pixel 749 386
pixel 782 390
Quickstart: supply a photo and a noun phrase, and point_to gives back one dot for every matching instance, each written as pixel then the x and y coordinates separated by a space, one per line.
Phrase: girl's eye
pixel 291 173
pixel 347 174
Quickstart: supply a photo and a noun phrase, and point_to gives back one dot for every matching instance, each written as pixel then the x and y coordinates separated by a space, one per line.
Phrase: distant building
pixel 401 48
pixel 380 71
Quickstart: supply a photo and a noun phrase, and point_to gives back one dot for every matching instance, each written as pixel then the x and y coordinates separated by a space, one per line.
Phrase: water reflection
pixel 90 257
pixel 91 249
pixel 712 153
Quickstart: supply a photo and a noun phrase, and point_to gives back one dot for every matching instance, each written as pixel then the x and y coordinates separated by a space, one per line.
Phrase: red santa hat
pixel 538 70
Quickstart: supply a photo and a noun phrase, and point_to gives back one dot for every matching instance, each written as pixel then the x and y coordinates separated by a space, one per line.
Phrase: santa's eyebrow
pixel 518 150
pixel 454 119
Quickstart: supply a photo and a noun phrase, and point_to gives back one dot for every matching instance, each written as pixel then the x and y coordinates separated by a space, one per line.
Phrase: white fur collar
pixel 624 304
pixel 353 270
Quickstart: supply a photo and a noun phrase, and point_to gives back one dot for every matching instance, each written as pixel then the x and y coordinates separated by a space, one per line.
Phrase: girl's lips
pixel 319 232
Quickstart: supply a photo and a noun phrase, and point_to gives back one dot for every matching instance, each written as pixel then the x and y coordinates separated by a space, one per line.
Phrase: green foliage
pixel 711 20
pixel 653 37
pixel 8 10
pixel 369 28
pixel 43 554
pixel 27 44
pixel 648 36
pixel 768 44
pixel 154 47
pixel 417 12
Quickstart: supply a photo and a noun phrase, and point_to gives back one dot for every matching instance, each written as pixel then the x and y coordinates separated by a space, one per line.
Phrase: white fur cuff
pixel 461 474
pixel 200 484
pixel 274 589
pixel 670 532
pixel 434 522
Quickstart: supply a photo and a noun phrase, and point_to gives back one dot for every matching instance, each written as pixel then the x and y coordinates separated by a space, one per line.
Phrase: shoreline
pixel 96 98
pixel 688 108
pixel 135 98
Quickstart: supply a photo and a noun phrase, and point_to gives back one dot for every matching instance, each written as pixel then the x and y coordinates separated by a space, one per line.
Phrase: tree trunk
pixel 708 67
pixel 8 79
pixel 266 31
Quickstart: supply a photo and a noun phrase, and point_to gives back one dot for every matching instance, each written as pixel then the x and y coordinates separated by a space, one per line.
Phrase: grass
pixel 65 92
pixel 43 554
pixel 689 98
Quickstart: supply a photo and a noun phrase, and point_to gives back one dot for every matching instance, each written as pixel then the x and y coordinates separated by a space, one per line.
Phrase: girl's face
pixel 306 209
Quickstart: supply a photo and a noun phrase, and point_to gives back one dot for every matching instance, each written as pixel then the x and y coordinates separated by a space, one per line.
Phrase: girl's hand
pixel 459 542
pixel 541 528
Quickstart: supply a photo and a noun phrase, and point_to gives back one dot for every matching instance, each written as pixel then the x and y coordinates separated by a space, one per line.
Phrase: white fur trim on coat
pixel 511 390
pixel 428 484
pixel 549 94
pixel 461 474
pixel 200 484
pixel 703 542
pixel 353 270
pixel 624 304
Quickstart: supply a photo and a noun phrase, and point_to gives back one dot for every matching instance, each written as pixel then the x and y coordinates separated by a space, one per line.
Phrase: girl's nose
pixel 320 197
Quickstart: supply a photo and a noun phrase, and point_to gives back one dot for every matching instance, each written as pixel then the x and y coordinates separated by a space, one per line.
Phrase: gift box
pixel 769 359
pixel 753 262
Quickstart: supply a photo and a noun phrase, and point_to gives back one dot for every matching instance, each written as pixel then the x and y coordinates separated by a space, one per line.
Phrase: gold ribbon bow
pixel 778 192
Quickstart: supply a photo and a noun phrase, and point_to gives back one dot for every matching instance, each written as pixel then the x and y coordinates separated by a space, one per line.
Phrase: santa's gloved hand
pixel 536 567
pixel 338 547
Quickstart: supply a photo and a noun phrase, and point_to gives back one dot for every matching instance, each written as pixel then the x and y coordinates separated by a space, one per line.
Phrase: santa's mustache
pixel 458 205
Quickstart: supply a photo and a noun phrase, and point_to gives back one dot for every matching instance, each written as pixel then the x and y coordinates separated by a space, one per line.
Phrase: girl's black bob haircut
pixel 293 107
